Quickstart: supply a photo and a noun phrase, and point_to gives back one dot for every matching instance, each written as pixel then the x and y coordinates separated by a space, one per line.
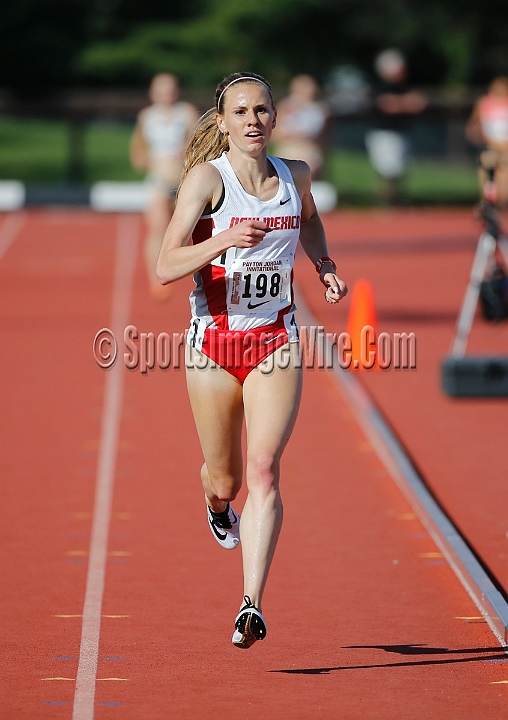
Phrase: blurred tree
pixel 284 37
pixel 46 43
pixel 225 36
pixel 117 18
pixel 40 40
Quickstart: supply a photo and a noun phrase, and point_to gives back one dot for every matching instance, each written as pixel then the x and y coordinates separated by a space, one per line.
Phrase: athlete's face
pixel 248 116
pixel 164 90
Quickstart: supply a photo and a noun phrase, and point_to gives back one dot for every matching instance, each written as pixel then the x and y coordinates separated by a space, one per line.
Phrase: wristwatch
pixel 322 261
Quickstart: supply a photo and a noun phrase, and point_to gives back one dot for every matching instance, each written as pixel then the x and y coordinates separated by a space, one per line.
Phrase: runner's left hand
pixel 336 288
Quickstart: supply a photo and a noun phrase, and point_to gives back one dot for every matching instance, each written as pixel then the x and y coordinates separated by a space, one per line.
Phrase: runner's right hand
pixel 248 233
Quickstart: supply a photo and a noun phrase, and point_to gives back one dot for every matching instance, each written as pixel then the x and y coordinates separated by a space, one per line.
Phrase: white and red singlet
pixel 242 306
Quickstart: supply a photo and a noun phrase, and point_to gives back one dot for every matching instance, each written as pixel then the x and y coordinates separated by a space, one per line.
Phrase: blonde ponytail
pixel 206 142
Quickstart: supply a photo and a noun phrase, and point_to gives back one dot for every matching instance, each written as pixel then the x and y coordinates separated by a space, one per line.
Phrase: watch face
pixel 322 261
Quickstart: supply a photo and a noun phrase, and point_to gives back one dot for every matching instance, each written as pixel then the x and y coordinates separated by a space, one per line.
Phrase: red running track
pixel 418 263
pixel 365 620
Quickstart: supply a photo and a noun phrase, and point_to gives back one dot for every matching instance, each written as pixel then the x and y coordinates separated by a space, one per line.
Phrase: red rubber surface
pixel 419 263
pixel 363 619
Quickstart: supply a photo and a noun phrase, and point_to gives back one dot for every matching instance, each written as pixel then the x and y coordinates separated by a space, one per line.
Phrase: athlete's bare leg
pixel 157 216
pixel 217 404
pixel 271 403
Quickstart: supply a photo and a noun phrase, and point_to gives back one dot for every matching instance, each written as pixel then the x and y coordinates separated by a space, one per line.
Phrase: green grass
pixel 107 153
pixel 427 182
pixel 442 183
pixel 32 150
pixel 37 152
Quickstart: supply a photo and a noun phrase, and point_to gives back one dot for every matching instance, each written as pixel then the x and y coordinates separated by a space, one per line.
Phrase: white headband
pixel 244 79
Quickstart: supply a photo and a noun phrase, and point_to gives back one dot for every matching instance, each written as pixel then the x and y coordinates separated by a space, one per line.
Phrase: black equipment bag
pixel 494 295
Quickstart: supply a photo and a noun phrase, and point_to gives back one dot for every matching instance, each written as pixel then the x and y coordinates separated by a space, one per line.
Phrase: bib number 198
pixel 268 288
pixel 261 285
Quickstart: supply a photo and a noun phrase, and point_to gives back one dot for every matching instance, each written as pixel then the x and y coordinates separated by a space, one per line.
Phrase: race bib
pixel 258 286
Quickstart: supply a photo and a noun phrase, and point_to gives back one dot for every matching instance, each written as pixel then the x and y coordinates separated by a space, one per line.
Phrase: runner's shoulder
pixel 300 172
pixel 204 173
pixel 204 180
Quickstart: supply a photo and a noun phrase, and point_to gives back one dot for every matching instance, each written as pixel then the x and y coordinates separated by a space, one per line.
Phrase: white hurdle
pixel 12 195
pixel 119 196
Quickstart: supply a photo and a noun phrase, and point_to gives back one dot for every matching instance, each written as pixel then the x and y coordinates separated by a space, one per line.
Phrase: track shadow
pixel 422 649
pixel 479 654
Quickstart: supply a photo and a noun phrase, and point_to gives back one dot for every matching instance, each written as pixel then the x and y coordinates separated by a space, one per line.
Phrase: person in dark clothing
pixel 395 105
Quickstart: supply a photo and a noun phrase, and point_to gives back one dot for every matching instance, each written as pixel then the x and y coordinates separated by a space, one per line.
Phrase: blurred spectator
pixel 301 120
pixel 388 144
pixel 348 92
pixel 487 127
pixel 157 146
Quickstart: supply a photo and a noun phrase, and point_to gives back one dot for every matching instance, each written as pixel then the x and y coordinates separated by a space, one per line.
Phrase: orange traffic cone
pixel 362 324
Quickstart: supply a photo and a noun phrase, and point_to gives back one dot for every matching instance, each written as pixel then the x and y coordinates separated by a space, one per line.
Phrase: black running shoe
pixel 225 527
pixel 250 626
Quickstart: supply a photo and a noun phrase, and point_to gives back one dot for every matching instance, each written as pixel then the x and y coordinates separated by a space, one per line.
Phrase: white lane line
pixel 84 696
pixel 9 230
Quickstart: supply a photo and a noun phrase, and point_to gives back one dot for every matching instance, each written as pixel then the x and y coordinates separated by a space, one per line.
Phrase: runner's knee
pixel 262 473
pixel 224 485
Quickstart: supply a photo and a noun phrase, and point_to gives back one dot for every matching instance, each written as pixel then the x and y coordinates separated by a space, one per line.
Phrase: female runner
pixel 236 226
pixel 488 128
pixel 158 146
